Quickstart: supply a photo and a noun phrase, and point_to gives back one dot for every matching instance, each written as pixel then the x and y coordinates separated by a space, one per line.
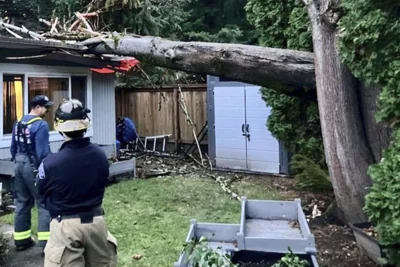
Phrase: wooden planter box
pixel 122 167
pixel 267 229
pixel 367 244
pixel 219 235
pixel 273 226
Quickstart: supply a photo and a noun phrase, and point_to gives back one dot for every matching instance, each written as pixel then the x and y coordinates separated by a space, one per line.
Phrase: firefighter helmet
pixel 71 116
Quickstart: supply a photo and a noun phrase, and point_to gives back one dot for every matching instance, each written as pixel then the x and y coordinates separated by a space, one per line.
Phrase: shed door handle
pixel 247 132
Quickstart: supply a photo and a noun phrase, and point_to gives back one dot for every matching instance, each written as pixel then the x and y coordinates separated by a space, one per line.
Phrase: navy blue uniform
pixel 29 146
pixel 73 180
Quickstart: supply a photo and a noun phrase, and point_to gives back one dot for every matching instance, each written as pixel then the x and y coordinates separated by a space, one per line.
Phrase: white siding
pixel 103 113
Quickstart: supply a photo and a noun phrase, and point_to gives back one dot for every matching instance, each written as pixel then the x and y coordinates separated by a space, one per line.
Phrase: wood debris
pixel 294 224
pixel 371 232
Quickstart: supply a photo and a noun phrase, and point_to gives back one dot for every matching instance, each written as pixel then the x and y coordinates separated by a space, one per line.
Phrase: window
pixel 78 87
pixel 13 101
pixel 18 89
pixel 55 88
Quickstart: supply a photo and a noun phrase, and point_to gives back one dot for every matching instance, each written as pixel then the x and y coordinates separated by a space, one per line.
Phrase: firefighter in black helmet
pixel 72 183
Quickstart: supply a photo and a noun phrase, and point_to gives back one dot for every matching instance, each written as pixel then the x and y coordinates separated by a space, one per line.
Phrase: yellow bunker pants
pixel 76 244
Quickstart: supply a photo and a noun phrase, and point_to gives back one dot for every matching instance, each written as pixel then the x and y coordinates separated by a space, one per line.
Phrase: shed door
pixel 230 145
pixel 262 147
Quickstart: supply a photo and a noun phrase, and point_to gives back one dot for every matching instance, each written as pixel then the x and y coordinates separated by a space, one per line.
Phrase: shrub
pixel 382 202
pixel 310 175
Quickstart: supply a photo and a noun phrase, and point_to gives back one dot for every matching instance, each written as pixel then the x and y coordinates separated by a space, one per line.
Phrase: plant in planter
pixel 291 260
pixel 201 255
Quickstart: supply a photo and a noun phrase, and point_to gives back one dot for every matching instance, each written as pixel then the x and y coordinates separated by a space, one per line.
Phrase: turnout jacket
pixel 73 180
pixel 37 134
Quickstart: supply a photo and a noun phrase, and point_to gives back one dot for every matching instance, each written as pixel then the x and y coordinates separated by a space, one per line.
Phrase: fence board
pixel 142 106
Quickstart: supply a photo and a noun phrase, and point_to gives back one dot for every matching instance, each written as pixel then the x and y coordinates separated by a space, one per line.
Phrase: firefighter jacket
pixel 30 137
pixel 73 180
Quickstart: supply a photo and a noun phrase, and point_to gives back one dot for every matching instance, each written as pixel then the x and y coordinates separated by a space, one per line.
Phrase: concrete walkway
pixel 28 258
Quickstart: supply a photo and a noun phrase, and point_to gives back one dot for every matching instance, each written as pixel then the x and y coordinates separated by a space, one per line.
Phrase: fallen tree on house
pixel 289 71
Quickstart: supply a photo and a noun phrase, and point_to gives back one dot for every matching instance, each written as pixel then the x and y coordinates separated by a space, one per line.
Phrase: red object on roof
pixel 124 66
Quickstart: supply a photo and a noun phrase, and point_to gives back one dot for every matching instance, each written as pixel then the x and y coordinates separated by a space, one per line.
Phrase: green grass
pixel 151 217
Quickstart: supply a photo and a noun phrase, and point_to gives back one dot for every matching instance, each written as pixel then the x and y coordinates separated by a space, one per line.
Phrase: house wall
pixel 100 99
pixel 103 113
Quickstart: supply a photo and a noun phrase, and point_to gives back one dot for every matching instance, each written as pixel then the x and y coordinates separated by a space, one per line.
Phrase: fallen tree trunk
pixel 287 71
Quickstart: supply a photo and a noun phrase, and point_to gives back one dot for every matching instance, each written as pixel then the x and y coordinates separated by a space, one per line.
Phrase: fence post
pixel 1 194
pixel 176 122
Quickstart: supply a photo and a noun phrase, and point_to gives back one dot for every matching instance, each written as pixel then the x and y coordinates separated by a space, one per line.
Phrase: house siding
pixel 102 115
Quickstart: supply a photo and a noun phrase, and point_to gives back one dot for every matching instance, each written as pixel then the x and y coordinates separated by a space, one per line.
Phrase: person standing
pixel 29 146
pixel 72 183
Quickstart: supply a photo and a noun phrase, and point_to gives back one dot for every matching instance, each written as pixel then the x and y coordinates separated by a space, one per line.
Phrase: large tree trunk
pixel 348 154
pixel 286 70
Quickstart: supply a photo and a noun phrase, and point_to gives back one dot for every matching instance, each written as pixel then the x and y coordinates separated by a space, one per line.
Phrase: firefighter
pixel 72 182
pixel 29 146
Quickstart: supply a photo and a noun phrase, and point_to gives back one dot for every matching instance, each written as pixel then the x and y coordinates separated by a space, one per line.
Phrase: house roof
pixel 55 53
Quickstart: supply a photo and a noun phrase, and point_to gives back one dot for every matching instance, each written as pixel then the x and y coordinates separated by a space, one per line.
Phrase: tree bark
pixel 348 154
pixel 377 134
pixel 288 71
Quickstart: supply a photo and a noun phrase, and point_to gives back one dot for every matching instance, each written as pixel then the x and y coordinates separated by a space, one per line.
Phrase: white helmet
pixel 71 116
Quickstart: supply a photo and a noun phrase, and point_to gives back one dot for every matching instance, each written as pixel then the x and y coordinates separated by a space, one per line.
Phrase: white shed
pixel 238 137
pixel 30 67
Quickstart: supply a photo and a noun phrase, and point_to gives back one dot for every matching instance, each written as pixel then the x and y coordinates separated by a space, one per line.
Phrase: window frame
pixel 38 71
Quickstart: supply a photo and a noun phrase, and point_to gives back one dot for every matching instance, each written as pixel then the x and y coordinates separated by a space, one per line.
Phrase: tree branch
pixel 23 30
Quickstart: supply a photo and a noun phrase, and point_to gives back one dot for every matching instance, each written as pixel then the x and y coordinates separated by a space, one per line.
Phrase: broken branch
pixel 152 84
pixel 23 30
pixel 189 119
pixel 53 28
pixel 82 19
pixel 48 23
pixel 14 34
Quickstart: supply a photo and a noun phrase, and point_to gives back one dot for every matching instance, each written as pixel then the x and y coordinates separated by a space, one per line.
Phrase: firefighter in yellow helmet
pixel 72 183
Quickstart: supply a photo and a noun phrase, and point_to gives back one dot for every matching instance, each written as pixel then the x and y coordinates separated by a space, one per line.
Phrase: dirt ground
pixel 335 243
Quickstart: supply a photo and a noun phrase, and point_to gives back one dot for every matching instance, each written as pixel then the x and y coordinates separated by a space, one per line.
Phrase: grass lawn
pixel 151 217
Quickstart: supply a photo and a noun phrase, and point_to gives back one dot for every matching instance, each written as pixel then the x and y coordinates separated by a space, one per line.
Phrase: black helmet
pixel 71 116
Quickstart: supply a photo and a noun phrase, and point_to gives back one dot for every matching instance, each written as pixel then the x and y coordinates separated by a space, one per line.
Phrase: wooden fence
pixel 154 115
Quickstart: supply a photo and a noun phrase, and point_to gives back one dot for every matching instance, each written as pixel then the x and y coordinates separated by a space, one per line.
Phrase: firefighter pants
pixel 27 195
pixel 76 244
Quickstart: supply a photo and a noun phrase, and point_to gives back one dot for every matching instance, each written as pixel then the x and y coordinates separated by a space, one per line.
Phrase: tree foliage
pixel 218 21
pixel 370 31
pixel 293 120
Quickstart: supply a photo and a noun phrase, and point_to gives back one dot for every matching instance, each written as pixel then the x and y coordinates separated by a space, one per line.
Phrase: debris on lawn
pixel 137 257
pixel 316 212
pixel 151 166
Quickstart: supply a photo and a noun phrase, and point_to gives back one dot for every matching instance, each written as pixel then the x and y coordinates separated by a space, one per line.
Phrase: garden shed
pixel 238 137
pixel 58 70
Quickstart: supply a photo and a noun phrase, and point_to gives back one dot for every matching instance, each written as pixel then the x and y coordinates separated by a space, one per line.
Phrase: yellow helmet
pixel 71 116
